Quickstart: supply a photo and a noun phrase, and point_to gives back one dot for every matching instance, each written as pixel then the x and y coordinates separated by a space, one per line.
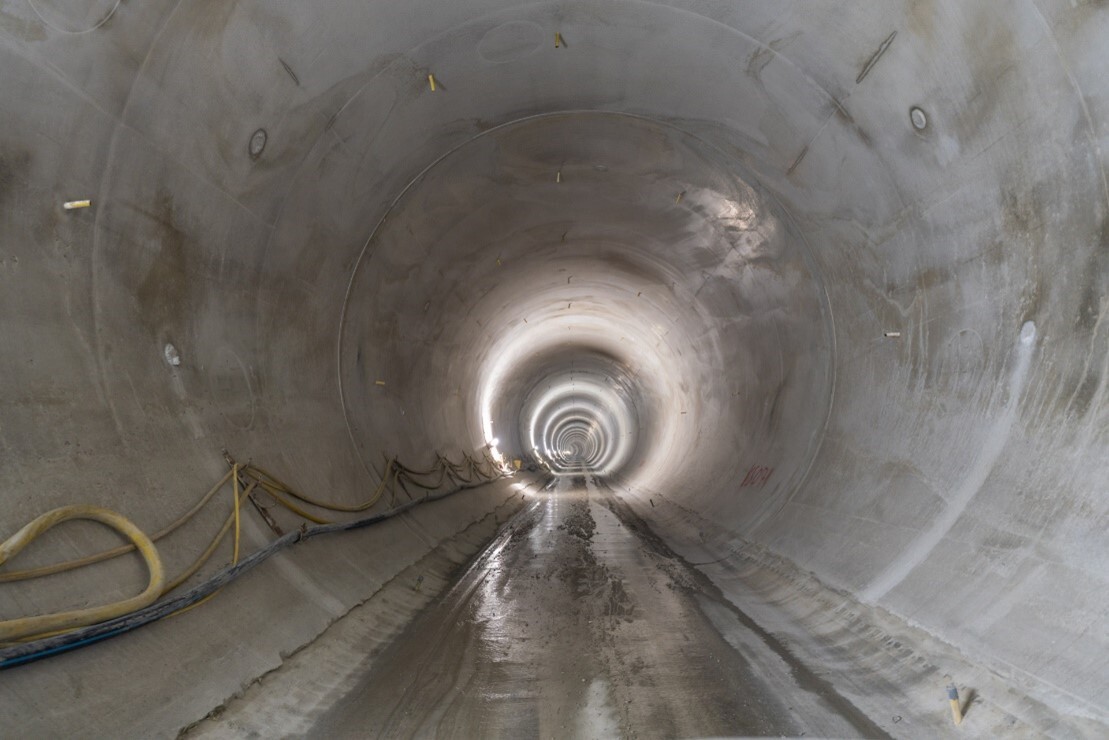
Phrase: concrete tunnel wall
pixel 950 477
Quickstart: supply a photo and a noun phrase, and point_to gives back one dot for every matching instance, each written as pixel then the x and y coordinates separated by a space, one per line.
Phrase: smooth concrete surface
pixel 817 288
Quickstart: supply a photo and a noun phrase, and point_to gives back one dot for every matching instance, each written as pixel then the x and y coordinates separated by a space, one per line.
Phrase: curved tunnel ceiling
pixel 828 277
pixel 584 240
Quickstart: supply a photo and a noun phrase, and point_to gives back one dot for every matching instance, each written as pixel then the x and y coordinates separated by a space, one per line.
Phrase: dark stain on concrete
pixel 763 55
pixel 1023 212
pixel 797 160
pixel 163 292
pixel 991 51
pixel 1084 395
pixel 626 263
pixel 922 19
pixel 774 416
pixel 993 253
pixel 1096 275
pixel 579 522
pixel 28 30
pixel 14 167
pixel 758 60
pixel 841 114
pixel 106 21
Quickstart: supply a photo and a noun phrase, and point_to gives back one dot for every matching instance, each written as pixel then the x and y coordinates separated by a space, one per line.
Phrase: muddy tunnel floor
pixel 577 621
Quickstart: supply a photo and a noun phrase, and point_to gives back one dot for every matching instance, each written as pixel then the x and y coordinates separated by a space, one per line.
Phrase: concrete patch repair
pixel 591 369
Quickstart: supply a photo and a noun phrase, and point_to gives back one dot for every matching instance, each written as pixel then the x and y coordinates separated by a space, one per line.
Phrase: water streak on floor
pixel 577 621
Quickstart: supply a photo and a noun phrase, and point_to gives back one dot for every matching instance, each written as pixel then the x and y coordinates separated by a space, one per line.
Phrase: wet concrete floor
pixel 576 621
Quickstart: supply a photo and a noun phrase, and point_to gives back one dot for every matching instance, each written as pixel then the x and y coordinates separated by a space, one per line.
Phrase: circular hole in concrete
pixel 918 118
pixel 257 143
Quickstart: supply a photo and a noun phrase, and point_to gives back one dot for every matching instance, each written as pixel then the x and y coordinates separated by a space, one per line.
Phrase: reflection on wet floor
pixel 577 622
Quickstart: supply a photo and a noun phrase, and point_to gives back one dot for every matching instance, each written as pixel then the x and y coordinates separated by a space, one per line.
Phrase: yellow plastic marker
pixel 679 198
pixel 558 177
pixel 953 698
pixel 558 39
pixel 379 382
pixel 431 82
pixel 70 205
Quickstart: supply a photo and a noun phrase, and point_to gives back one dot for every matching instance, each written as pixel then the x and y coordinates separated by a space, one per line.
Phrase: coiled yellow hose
pixel 246 479
pixel 13 629
pixel 47 570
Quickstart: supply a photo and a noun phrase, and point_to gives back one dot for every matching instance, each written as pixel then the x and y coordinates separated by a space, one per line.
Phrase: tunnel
pixel 663 369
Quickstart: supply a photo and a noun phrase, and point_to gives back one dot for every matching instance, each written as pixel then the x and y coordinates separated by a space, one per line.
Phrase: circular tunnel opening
pixel 582 411
pixel 817 288
pixel 612 293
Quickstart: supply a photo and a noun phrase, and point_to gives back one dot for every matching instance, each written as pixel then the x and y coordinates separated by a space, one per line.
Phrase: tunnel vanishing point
pixel 554 369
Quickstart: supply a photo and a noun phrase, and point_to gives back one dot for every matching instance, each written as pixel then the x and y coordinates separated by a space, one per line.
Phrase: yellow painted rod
pixel 956 709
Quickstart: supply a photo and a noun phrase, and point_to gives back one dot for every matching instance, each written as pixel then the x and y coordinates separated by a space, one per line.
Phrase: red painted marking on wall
pixel 758 475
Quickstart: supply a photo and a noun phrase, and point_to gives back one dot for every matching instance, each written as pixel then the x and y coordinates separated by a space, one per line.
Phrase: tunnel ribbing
pixel 926 242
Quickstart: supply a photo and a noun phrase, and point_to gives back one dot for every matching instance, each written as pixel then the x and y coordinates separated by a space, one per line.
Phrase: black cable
pixel 21 654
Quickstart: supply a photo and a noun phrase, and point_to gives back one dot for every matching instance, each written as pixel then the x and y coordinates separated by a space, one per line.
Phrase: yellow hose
pixel 207 554
pixel 48 570
pixel 24 628
pixel 395 473
pixel 15 628
pixel 200 561
pixel 185 575
pixel 270 482
pixel 275 494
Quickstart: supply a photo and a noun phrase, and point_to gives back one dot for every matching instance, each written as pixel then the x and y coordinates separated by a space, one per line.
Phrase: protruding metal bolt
pixel 257 143
pixel 918 118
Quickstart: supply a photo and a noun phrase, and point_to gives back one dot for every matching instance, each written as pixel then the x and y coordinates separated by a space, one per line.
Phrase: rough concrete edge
pixel 286 655
pixel 856 610
pixel 1013 695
